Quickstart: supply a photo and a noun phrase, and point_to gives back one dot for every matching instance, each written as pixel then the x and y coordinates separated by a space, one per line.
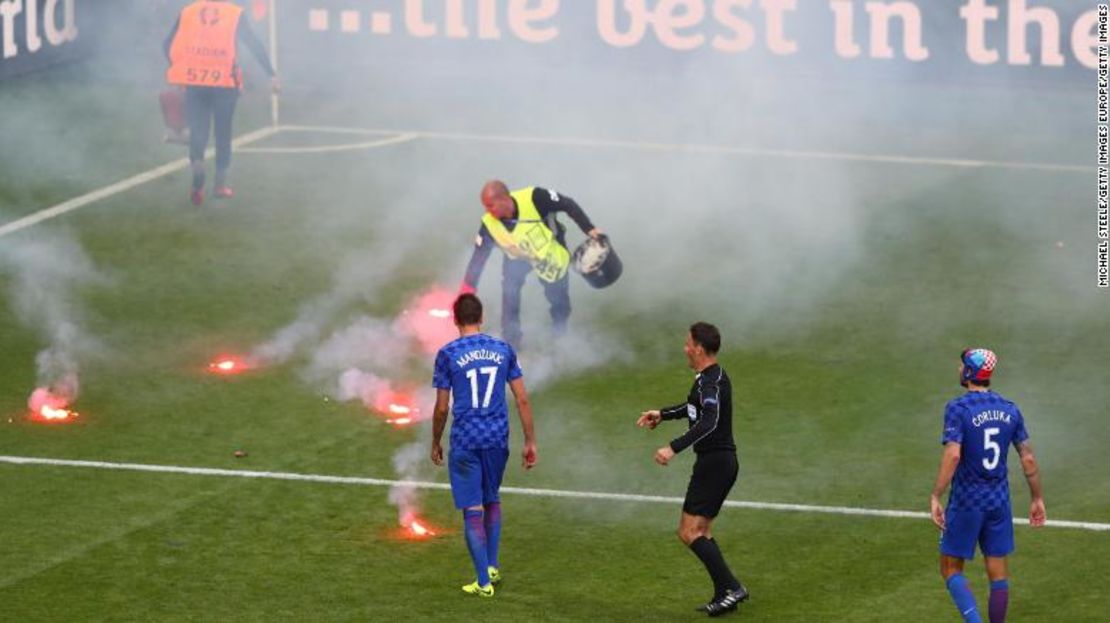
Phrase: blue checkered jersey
pixel 476 368
pixel 985 425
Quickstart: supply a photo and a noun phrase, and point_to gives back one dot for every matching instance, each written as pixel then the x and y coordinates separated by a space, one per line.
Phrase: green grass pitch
pixel 845 291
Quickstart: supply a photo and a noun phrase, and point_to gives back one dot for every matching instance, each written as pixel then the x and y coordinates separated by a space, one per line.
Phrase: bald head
pixel 497 200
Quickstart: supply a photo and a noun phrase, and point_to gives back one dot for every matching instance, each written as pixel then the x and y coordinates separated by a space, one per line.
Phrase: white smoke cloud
pixel 48 273
pixel 582 349
pixel 367 343
pixel 359 277
pixel 410 463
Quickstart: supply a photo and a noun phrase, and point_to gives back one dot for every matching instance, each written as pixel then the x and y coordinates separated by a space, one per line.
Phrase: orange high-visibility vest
pixel 203 50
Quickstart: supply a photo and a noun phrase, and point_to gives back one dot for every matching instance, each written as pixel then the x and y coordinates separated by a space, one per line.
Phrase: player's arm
pixel 1033 478
pixel 548 201
pixel 524 410
pixel 483 246
pixel 439 422
pixel 949 459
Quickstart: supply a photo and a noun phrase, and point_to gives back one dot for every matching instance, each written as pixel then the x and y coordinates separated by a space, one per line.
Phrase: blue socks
pixel 493 532
pixel 483 538
pixel 476 542
pixel 999 601
pixel 963 598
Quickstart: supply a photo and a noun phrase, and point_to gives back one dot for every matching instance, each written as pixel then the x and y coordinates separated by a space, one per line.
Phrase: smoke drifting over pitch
pixel 737 189
pixel 48 274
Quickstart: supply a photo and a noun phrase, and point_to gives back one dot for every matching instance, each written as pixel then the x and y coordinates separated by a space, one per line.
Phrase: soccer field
pixel 851 269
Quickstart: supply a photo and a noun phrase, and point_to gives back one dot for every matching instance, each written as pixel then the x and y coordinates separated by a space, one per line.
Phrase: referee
pixel 708 411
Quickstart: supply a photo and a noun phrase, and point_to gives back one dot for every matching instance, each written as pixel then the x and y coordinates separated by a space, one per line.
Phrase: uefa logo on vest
pixel 26 24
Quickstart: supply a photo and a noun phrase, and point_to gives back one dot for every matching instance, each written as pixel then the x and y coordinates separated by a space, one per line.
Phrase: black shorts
pixel 713 477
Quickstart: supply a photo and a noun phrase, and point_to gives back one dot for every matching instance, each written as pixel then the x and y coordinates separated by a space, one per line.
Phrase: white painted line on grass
pixel 320 149
pixel 120 186
pixel 330 129
pixel 706 148
pixel 551 493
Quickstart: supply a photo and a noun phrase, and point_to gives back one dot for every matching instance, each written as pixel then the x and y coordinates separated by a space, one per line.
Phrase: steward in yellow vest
pixel 523 224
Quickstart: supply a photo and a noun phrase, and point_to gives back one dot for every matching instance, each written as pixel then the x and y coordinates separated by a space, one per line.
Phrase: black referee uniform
pixel 708 410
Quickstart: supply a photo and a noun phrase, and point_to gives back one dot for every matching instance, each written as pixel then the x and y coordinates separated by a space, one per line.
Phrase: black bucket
pixel 597 262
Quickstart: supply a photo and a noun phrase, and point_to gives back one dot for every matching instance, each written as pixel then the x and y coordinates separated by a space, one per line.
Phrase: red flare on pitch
pixel 48 407
pixel 416 529
pixel 428 319
pixel 48 414
pixel 403 411
pixel 420 530
pixel 397 406
pixel 228 366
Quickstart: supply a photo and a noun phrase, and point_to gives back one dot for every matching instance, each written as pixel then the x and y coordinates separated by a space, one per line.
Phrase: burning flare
pixel 402 410
pixel 412 527
pixel 49 407
pixel 228 365
pixel 398 407
pixel 419 530
pixel 427 319
pixel 405 413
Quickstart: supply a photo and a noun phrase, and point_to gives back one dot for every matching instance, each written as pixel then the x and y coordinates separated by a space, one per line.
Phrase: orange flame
pixel 396 406
pixel 228 365
pixel 404 411
pixel 49 413
pixel 427 319
pixel 419 530
pixel 49 407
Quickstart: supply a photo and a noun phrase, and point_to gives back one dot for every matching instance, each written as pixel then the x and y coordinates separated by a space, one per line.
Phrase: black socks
pixel 710 555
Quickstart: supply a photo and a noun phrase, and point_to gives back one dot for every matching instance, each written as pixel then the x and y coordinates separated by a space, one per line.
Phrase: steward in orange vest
pixel 202 53
pixel 203 58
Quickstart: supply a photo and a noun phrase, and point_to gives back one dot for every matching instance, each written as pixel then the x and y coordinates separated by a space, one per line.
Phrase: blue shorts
pixel 993 530
pixel 476 475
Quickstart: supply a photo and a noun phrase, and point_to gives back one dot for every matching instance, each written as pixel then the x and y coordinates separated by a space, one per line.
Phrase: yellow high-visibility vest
pixel 531 239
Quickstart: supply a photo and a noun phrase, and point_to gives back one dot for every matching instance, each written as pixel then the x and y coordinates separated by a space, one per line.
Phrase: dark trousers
pixel 513 273
pixel 206 107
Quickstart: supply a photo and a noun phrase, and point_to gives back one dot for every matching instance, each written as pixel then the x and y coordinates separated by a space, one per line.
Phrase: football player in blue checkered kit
pixel 979 428
pixel 471 372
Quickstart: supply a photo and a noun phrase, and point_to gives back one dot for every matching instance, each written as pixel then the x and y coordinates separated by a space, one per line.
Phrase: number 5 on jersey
pixel 992 445
pixel 491 373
